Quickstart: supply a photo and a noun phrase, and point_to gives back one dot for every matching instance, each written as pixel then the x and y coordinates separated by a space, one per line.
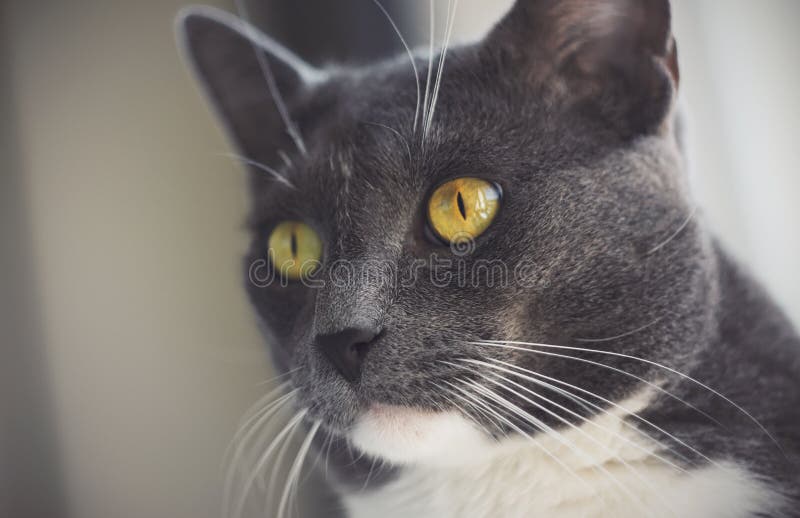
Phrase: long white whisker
pixel 294 472
pixel 278 464
pixel 263 167
pixel 266 481
pixel 650 384
pixel 369 474
pixel 262 404
pixel 295 421
pixel 286 160
pixel 399 135
pixel 675 234
pixel 269 77
pixel 241 441
pixel 663 367
pixel 619 419
pixel 604 429
pixel 410 57
pixel 473 401
pixel 588 405
pixel 361 454
pixel 276 378
pixel 432 19
pixel 445 394
pixel 623 335
pixel 613 404
pixel 553 433
pixel 328 435
pixel 584 434
pixel 452 5
pixel 328 457
pixel 253 413
pixel 511 425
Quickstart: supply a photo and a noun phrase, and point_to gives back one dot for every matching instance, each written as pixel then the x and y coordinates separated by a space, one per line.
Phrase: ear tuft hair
pixel 252 81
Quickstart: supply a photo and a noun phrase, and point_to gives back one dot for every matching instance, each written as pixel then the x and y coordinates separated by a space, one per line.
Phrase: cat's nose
pixel 347 349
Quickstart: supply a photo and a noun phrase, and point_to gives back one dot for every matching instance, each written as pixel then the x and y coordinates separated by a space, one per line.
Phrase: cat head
pixel 416 334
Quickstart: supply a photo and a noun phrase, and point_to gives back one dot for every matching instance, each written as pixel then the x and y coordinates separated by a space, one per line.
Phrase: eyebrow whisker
pixel 272 85
pixel 410 57
pixel 262 167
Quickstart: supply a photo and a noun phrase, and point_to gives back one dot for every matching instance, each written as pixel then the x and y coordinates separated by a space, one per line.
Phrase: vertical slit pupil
pixel 461 208
pixel 294 244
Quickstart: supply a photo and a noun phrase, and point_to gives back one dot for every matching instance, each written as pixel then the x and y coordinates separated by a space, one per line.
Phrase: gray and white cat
pixel 545 328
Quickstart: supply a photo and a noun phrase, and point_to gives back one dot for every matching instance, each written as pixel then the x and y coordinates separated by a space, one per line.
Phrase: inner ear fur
pixel 241 70
pixel 616 59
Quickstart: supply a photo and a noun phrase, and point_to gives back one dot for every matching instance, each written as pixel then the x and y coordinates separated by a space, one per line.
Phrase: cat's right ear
pixel 614 59
pixel 253 83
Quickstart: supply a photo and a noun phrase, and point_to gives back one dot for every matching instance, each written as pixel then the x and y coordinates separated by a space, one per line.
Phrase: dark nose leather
pixel 346 349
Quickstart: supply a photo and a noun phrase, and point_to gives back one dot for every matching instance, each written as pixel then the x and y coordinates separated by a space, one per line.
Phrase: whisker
pixel 553 433
pixel 399 135
pixel 623 335
pixel 369 474
pixel 663 367
pixel 294 472
pixel 598 364
pixel 242 438
pixel 613 404
pixel 256 419
pixel 582 432
pixel 262 167
pixel 410 57
pixel 328 457
pixel 277 465
pixel 634 444
pixel 286 160
pixel 491 415
pixel 276 378
pixel 445 393
pixel 553 457
pixel 452 8
pixel 272 85
pixel 358 458
pixel 432 19
pixel 328 436
pixel 674 235
pixel 294 422
pixel 257 409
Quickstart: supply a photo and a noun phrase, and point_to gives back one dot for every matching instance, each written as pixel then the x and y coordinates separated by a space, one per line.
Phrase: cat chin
pixel 408 436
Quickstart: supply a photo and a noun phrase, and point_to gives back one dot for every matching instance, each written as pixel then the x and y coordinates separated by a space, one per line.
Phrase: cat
pixel 571 339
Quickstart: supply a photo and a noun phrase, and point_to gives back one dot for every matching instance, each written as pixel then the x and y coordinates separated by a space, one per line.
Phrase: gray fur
pixel 575 123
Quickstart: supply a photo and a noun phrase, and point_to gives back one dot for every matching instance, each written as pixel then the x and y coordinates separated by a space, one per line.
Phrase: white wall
pixel 135 222
pixel 741 80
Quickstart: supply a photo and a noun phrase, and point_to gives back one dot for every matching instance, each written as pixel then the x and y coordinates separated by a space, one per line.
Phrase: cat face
pixel 409 343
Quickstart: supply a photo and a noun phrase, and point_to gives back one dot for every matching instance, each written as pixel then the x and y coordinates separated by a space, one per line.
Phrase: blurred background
pixel 128 349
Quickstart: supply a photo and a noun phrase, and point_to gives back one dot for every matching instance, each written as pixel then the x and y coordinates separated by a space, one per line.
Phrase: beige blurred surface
pixel 151 349
pixel 135 221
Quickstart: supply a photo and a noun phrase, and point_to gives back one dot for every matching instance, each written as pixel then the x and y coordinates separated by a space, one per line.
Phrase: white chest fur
pixel 515 489
pixel 600 469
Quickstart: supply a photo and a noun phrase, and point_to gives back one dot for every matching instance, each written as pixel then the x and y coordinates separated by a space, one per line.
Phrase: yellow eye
pixel 294 249
pixel 462 209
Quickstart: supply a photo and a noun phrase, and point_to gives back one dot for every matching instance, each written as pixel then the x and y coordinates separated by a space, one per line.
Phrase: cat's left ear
pixel 616 59
pixel 253 82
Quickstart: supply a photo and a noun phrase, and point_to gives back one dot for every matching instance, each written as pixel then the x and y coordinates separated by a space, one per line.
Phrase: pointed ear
pixel 253 82
pixel 616 58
